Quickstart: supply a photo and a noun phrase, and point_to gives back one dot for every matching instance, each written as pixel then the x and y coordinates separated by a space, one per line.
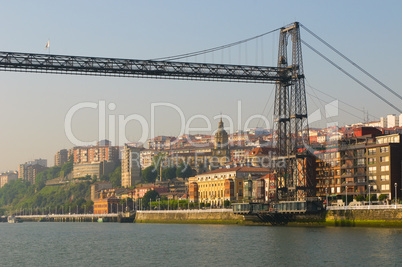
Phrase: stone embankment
pixel 378 218
pixel 372 217
pixel 225 216
pixel 356 217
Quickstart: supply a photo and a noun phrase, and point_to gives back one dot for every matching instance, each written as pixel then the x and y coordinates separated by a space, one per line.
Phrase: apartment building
pixel 360 165
pixel 61 157
pixel 130 166
pixel 93 154
pixel 7 177
pixel 384 159
pixel 28 170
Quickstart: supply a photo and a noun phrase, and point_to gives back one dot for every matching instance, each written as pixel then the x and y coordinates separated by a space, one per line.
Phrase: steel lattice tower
pixel 293 164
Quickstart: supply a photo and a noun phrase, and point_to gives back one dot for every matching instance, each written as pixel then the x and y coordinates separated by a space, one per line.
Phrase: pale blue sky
pixel 33 106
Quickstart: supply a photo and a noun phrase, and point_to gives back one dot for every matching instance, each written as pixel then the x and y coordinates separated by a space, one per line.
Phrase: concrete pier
pixel 110 217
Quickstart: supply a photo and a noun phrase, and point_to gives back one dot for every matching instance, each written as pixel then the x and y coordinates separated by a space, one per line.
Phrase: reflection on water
pixel 105 244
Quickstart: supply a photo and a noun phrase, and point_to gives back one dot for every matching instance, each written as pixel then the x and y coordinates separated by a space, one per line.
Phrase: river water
pixel 114 244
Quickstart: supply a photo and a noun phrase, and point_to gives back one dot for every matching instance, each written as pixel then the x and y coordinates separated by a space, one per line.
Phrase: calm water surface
pixel 114 244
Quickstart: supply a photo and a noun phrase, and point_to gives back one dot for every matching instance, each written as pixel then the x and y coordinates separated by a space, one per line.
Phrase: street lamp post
pixel 369 187
pixel 346 198
pixel 396 185
pixel 326 197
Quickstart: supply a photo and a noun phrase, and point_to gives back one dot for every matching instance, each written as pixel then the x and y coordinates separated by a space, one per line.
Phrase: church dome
pixel 221 136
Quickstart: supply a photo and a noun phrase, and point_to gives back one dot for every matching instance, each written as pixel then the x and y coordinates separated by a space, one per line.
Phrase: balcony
pixel 347 166
pixel 347 174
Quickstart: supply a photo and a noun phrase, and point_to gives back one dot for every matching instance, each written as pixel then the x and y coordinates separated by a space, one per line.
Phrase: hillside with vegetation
pixel 20 196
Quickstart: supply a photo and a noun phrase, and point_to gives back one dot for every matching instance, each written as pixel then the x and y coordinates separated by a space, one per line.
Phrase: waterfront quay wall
pixel 340 217
pixel 364 217
pixel 373 217
pixel 189 216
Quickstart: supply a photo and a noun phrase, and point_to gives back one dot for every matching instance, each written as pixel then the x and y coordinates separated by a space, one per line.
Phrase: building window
pixel 372 177
pixel 361 161
pixel 360 153
pixel 384 149
pixel 370 161
pixel 371 151
pixel 385 168
pixel 372 170
pixel 385 187
pixel 384 159
pixel 385 177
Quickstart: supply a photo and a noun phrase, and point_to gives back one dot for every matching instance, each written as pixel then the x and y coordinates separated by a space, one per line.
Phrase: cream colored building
pixel 225 184
pixel 7 177
pixel 130 166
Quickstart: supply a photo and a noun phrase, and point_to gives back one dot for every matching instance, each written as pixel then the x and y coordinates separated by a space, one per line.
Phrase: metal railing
pixel 86 215
pixel 365 207
pixel 186 211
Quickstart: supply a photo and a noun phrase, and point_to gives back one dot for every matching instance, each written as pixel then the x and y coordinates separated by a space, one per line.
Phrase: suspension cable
pixel 351 76
pixel 181 56
pixel 351 62
pixel 343 102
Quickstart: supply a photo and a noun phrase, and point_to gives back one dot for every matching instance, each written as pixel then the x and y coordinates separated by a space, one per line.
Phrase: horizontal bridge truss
pixel 96 66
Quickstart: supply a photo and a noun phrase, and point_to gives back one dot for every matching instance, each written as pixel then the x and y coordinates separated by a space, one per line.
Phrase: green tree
pixel 115 177
pixel 40 180
pixel 150 195
pixel 184 171
pixel 382 197
pixel 359 198
pixel 373 197
pixel 18 195
pixel 157 161
pixel 350 198
pixel 67 167
pixel 169 173
pixel 53 172
pixel 104 177
pixel 149 174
